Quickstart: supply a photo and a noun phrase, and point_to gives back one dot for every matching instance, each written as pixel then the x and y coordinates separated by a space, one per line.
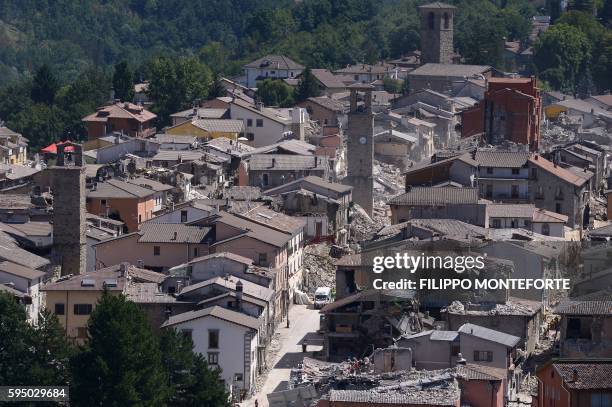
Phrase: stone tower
pixel 437 21
pixel 69 224
pixel 360 146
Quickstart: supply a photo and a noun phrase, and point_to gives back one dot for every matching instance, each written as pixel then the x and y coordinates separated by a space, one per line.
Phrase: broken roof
pixel 489 335
pixel 275 220
pixel 216 311
pixel 557 171
pixel 311 180
pixel 436 196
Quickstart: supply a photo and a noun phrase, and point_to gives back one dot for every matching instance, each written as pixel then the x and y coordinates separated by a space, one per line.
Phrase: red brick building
pixel 511 110
pixel 133 120
pixel 574 383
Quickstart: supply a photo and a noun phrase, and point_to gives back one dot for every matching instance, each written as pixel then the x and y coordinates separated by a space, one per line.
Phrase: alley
pixel 303 320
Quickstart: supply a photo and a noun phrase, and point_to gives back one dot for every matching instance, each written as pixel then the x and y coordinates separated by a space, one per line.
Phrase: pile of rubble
pixel 319 268
pixel 363 227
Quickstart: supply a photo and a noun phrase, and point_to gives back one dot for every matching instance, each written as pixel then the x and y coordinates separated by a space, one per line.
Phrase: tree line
pixel 123 363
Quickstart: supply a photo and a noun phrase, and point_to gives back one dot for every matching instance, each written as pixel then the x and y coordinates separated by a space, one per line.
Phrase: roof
pixel 17 171
pixel 248 287
pixel 20 271
pixel 542 215
pixel 268 112
pixel 275 220
pixel 572 307
pixel 432 69
pixel 202 113
pixel 557 171
pixel 602 231
pixel 147 293
pixel 9 250
pixel 216 312
pixel 92 281
pixel 120 111
pixel 5 131
pixel 501 159
pixel 219 125
pixel 275 62
pixel 224 255
pixel 478 331
pixel 174 155
pixel 605 99
pixel 172 233
pixel 150 184
pixel 15 201
pixel 585 375
pixel 436 196
pixel 229 146
pixel 471 371
pixel 465 158
pixel 311 180
pixel 447 336
pixel 500 210
pixel 284 162
pixel 174 138
pixel 232 294
pixel 398 135
pixel 327 103
pixel 114 188
pixel 297 147
pixel 328 79
pixel 437 4
pixel 253 230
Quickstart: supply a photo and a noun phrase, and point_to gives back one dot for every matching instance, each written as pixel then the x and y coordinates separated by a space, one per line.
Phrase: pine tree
pixel 52 352
pixel 307 87
pixel 191 381
pixel 121 364
pixel 15 352
pixel 123 82
pixel 44 86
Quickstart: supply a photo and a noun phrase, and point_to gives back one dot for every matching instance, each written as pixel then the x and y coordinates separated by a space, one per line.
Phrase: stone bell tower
pixel 437 21
pixel 360 146
pixel 69 222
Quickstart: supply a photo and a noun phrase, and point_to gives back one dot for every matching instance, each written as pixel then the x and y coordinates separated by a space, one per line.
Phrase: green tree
pixel 274 92
pixel 123 82
pixel 176 84
pixel 191 381
pixel 216 88
pixel 480 40
pixel 44 86
pixel 31 355
pixel 560 55
pixel 393 85
pixel 405 86
pixel 121 365
pixel 307 86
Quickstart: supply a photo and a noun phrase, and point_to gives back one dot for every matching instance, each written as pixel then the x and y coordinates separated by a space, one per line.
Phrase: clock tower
pixel 360 146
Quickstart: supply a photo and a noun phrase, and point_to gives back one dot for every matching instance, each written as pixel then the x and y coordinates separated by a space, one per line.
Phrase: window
pixel 558 208
pixel 249 122
pixel 356 77
pixel 516 171
pixel 558 193
pixel 601 400
pixel 139 218
pixel 82 309
pixel 263 259
pixel 213 358
pixel 250 136
pixel 483 356
pixel 183 216
pixel 489 170
pixel 489 191
pixel 59 309
pixel 540 192
pixel 446 21
pixel 156 250
pixel 103 202
pixel 545 229
pixel 213 339
pixel 265 179
pixel 497 223
pixel 431 20
pixel 534 173
pixel 238 377
pixel 196 252
pixel 514 191
pixel 259 122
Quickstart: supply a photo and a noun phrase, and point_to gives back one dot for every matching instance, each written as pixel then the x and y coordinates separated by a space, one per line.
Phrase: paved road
pixel 303 320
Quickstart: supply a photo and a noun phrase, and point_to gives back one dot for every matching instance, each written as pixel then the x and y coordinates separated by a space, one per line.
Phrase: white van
pixel 322 296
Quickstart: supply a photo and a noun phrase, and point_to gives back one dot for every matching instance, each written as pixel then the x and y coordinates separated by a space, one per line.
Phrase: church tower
pixel 437 21
pixel 360 146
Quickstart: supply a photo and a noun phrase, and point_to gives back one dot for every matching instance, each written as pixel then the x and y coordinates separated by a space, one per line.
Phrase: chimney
pixel 174 236
pixel 575 375
pixel 239 296
pixel 273 162
pixel 259 106
pixel 123 269
pixel 195 112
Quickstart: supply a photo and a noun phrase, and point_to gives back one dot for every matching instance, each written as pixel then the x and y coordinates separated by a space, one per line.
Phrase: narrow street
pixel 303 321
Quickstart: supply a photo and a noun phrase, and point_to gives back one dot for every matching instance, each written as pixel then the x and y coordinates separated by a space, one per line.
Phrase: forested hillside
pixel 180 45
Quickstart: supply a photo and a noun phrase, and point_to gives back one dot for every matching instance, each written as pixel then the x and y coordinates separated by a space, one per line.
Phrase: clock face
pixel 363 140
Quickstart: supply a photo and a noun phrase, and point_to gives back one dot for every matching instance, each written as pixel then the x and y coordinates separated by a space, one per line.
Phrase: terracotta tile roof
pixel 275 220
pixel 274 61
pixel 225 314
pixel 120 111
pixel 328 103
pixel 489 335
pixel 219 125
pixel 572 307
pixel 253 230
pixel 436 196
pixel 19 271
pixel 431 69
pixel 501 159
pixel 496 210
pixel 248 287
pixel 478 372
pixel 542 215
pixel 172 233
pixel 329 80
pixel 587 375
pixel 557 171
pixel 114 188
pixel 225 255
pixel 287 162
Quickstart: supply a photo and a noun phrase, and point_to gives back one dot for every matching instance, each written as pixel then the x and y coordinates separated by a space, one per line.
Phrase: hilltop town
pixel 247 224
